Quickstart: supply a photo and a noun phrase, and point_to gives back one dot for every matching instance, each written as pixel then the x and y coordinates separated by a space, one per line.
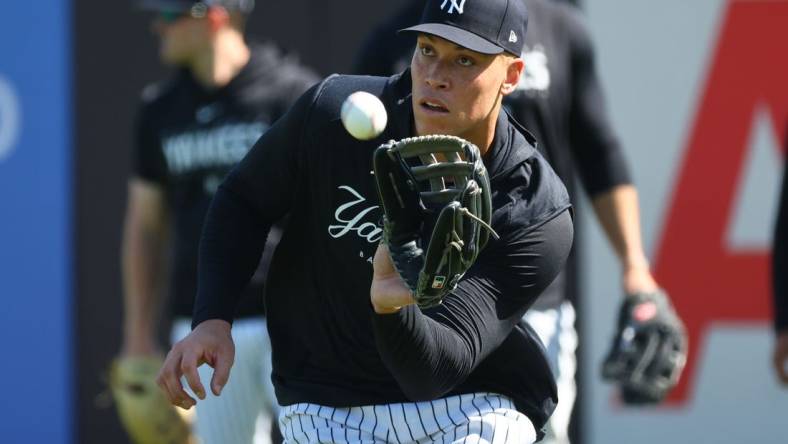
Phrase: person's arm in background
pixel 145 234
pixel 602 165
pixel 618 213
pixel 780 284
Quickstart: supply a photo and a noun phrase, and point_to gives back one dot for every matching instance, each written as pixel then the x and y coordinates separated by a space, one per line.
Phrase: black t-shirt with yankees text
pixel 329 347
pixel 188 138
pixel 558 99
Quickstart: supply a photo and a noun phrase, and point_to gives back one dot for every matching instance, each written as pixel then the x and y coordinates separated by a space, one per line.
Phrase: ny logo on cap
pixel 455 5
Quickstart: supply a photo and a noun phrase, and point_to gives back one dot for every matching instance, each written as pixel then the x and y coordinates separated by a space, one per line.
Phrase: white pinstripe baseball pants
pixel 469 418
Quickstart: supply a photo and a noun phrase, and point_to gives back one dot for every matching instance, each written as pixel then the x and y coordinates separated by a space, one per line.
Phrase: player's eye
pixel 465 61
pixel 426 50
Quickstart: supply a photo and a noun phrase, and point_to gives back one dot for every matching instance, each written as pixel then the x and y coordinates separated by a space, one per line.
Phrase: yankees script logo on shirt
pixel 454 6
pixel 354 217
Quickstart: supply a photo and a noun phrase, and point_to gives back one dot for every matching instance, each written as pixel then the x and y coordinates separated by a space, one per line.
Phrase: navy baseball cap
pixel 243 6
pixel 485 26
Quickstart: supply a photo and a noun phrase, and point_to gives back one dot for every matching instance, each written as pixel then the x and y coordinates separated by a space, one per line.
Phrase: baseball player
pixel 559 99
pixel 779 283
pixel 355 360
pixel 190 131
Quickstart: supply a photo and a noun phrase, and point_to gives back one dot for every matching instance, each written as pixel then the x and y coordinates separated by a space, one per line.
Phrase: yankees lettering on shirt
pixel 222 145
pixel 357 218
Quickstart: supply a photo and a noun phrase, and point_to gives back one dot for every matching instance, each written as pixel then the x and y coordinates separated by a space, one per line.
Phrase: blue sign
pixel 35 222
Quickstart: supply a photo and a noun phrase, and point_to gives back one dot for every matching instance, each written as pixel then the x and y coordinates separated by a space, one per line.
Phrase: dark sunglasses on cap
pixel 197 11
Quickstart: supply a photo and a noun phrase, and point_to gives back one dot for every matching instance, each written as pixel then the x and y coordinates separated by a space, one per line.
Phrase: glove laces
pixel 465 212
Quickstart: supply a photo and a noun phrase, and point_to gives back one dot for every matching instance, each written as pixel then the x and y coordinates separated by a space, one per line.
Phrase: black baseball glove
pixel 649 349
pixel 435 194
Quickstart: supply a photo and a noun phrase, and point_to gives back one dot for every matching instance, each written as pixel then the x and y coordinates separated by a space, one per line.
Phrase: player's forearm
pixel 618 212
pixel 142 267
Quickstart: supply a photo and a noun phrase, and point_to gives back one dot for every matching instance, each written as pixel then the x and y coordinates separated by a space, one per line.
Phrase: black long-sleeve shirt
pixel 329 347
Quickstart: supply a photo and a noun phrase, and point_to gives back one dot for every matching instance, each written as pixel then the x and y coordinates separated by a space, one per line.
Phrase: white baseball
pixel 364 115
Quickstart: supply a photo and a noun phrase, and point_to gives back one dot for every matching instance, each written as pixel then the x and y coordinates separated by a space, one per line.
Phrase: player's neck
pixel 226 57
pixel 483 135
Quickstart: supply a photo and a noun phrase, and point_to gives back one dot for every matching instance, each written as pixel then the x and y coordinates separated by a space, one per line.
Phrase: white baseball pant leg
pixel 556 329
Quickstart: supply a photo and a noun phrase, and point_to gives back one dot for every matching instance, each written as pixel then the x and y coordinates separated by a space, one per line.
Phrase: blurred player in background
pixel 559 99
pixel 190 131
pixel 780 282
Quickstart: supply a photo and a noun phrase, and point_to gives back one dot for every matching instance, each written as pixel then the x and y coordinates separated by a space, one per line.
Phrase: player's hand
pixel 388 292
pixel 780 357
pixel 209 343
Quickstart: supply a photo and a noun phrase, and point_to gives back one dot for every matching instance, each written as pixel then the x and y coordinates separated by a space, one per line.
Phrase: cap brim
pixel 461 37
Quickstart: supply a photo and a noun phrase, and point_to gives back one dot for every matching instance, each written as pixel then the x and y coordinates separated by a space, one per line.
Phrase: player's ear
pixel 514 69
pixel 217 17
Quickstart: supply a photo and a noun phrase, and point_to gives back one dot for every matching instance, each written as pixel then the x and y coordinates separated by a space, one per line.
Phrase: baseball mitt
pixel 144 411
pixel 649 349
pixel 435 194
